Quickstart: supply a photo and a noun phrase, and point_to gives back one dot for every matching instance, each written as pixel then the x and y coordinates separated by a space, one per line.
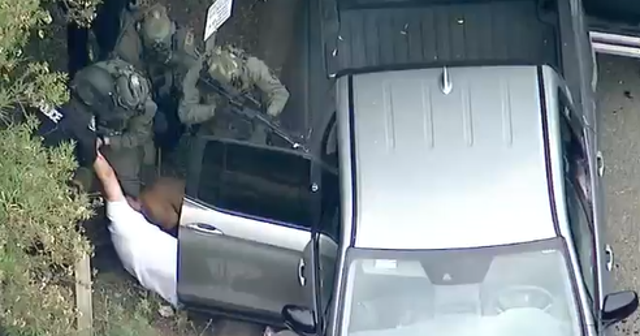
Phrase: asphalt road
pixel 619 128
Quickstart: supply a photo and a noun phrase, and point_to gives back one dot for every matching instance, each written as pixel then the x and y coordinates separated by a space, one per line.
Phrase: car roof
pixel 457 170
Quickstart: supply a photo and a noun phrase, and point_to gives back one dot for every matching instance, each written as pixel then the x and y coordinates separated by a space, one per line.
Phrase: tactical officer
pixel 164 51
pixel 246 74
pixel 119 98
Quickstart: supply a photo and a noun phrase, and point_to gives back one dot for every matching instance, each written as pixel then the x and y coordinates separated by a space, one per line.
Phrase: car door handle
pixel 609 255
pixel 204 228
pixel 301 278
pixel 600 163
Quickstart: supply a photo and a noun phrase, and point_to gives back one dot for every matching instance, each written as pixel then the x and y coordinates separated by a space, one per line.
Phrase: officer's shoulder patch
pixel 189 37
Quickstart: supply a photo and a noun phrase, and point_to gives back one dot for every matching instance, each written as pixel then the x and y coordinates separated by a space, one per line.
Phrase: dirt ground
pixel 263 28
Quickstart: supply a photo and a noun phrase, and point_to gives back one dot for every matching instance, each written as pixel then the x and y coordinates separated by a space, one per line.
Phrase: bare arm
pixel 108 179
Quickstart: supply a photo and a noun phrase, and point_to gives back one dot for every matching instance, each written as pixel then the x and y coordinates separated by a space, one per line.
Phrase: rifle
pixel 247 107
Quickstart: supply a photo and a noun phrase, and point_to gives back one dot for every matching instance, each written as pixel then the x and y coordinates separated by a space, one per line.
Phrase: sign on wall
pixel 219 12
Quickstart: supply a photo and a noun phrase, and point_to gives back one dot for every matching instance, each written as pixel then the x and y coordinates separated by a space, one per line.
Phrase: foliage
pixel 39 239
pixel 39 235
pixel 82 12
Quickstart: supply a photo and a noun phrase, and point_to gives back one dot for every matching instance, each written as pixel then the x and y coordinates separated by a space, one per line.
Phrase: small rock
pixel 628 95
pixel 166 311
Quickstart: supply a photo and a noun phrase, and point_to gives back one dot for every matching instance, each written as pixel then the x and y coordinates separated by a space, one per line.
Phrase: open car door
pixel 245 222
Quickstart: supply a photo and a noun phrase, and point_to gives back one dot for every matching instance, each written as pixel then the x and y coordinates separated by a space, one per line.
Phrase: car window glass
pixel 576 163
pixel 256 182
pixel 582 236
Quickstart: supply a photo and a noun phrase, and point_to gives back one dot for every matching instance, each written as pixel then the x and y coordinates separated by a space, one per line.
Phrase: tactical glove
pixel 273 110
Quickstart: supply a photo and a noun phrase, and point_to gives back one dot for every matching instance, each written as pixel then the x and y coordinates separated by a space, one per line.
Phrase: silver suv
pixel 433 200
pixel 471 205
pixel 470 201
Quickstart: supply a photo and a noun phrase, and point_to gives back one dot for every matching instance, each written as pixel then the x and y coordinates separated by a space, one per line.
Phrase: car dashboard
pixel 405 295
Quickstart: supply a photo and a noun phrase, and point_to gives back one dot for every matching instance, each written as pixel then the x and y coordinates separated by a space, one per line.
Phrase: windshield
pixel 511 290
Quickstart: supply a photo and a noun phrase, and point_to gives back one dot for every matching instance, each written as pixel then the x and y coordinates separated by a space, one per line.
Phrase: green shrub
pixel 39 239
pixel 39 235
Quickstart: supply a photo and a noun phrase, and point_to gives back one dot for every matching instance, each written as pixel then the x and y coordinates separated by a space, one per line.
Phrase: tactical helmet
pixel 157 30
pixel 224 65
pixel 132 90
pixel 94 86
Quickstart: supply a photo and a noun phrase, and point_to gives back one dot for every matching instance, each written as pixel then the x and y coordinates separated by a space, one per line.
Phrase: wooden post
pixel 83 296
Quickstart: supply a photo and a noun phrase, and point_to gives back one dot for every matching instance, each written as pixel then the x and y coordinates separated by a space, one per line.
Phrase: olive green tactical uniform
pixel 232 66
pixel 165 52
pixel 124 114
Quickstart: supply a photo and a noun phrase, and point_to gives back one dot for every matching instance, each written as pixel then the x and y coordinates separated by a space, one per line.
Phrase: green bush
pixel 39 235
pixel 39 240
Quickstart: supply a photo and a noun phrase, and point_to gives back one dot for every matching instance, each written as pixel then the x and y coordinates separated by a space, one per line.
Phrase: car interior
pixel 427 294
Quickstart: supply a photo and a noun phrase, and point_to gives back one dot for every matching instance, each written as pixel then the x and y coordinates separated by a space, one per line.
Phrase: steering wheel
pixel 521 296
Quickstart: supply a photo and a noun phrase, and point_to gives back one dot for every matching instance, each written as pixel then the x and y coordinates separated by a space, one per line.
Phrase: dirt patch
pixel 123 308
pixel 240 29
pixel 263 28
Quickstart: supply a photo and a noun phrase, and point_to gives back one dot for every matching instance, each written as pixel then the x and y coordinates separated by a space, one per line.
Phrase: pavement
pixel 619 127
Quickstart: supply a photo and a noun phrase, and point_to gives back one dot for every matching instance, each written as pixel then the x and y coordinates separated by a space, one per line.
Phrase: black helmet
pixel 94 86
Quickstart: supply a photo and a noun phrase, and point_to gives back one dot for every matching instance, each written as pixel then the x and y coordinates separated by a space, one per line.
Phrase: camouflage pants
pixel 126 162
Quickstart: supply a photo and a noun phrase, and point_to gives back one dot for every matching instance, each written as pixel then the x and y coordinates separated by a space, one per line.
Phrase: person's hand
pixel 101 165
pixel 273 111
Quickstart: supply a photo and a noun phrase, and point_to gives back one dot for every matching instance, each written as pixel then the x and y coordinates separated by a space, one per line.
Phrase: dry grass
pixel 123 308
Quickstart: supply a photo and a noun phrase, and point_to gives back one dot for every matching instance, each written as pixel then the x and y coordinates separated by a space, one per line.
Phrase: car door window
pixel 256 182
pixel 582 236
pixel 574 145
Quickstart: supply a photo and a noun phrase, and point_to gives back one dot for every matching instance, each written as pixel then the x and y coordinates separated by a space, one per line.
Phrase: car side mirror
pixel 618 306
pixel 299 319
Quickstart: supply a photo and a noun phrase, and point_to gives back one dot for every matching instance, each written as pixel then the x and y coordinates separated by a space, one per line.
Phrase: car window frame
pixel 195 168
pixel 592 292
pixel 583 197
pixel 327 217
pixel 330 131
